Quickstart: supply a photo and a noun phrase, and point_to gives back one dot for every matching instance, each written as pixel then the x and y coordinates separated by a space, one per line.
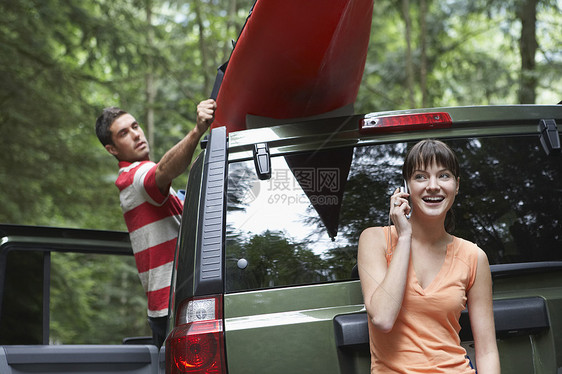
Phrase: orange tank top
pixel 425 336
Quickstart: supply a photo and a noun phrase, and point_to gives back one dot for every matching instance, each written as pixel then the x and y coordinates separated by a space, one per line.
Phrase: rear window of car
pixel 302 225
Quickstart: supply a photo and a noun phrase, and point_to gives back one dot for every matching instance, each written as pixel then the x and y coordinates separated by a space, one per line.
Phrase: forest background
pixel 63 61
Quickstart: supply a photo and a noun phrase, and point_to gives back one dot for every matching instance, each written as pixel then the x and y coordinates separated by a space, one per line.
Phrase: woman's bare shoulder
pixel 372 232
pixel 372 237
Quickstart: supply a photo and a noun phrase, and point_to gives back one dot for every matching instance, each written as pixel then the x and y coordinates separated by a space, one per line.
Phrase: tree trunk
pixel 527 13
pixel 149 77
pixel 423 56
pixel 202 48
pixel 409 62
pixel 230 25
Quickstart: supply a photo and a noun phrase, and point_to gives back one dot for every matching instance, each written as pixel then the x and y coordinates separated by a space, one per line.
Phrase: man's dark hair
pixel 104 121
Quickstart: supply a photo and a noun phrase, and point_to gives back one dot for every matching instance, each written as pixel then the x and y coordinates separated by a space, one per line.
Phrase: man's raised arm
pixel 177 159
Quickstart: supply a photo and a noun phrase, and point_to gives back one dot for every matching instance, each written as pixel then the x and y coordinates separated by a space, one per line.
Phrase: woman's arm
pixel 482 319
pixel 383 286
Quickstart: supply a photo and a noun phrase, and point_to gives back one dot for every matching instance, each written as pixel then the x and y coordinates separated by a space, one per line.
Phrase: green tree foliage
pixel 274 260
pixel 91 291
pixel 51 170
pixel 61 62
pixel 468 55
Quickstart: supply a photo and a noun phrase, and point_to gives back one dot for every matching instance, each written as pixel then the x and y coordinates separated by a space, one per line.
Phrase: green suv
pixel 265 277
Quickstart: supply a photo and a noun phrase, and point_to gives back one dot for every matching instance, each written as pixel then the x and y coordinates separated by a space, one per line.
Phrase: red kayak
pixel 294 59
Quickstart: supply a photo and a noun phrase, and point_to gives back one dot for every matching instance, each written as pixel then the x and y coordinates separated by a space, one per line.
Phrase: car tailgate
pixel 323 328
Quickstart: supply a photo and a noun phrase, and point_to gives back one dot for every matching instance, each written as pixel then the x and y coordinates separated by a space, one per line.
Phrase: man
pixel 151 209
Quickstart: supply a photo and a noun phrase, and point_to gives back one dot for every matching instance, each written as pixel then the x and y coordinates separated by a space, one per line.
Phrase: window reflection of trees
pixel 274 258
pixel 510 199
pixel 271 251
pixel 241 186
pixel 376 171
pixel 509 204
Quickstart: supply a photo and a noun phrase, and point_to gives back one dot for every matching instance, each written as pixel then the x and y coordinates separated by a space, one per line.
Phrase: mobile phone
pixel 405 189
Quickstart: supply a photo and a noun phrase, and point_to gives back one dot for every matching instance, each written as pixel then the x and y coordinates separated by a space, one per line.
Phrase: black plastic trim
pixel 52 239
pixel 210 246
pixel 549 137
pixel 83 354
pixel 351 330
pixel 518 269
pixel 513 317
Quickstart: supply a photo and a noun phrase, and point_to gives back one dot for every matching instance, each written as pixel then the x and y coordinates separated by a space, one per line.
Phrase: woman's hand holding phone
pixel 400 209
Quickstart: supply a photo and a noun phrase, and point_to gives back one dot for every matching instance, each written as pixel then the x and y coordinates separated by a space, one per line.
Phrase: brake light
pixel 196 345
pixel 405 122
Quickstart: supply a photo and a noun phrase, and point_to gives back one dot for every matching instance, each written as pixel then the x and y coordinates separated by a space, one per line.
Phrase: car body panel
pixel 288 330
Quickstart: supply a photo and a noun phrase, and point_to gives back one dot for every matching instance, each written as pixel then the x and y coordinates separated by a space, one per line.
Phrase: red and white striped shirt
pixel 153 221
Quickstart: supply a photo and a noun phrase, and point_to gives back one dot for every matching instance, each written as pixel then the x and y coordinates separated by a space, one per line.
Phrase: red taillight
pixel 196 345
pixel 406 122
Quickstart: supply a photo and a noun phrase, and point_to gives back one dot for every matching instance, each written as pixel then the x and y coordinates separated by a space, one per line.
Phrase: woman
pixel 417 278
